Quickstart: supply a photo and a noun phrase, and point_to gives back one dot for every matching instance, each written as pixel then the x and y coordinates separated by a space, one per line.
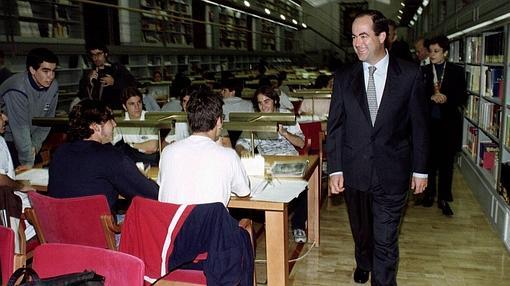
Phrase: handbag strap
pixel 24 272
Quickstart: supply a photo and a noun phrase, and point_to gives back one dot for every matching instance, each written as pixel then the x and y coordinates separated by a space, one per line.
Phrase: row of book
pixel 456 52
pixel 49 30
pixel 490 117
pixel 471 145
pixel 494 48
pixel 507 131
pixel 474 49
pixel 494 82
pixel 472 107
pixel 473 78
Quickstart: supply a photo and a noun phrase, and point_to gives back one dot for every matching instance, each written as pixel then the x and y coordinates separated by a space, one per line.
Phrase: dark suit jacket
pixel 398 143
pixel 454 87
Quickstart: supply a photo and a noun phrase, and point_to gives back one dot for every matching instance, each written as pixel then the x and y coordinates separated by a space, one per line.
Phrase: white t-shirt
pixel 197 170
pixel 6 166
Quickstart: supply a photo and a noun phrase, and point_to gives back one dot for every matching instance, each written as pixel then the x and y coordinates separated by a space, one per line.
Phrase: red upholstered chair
pixel 52 259
pixel 6 252
pixel 312 130
pixel 315 138
pixel 69 220
pixel 149 231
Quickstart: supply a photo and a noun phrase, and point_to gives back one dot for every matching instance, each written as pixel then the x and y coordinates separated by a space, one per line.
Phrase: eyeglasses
pixel 96 55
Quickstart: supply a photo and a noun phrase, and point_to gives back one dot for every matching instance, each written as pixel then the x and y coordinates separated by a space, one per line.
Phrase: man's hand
pixel 336 184
pixel 418 185
pixel 107 80
pixel 93 74
pixel 438 98
pixel 22 168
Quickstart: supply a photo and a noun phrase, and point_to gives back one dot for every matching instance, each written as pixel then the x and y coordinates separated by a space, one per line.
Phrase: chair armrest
pixel 31 216
pixel 110 228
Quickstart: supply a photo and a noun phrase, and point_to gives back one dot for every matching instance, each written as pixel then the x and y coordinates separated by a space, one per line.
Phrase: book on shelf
pixel 472 107
pixel 472 141
pixel 456 53
pixel 29 29
pixel 494 47
pixel 474 50
pixel 490 116
pixel 507 131
pixel 488 154
pixel 473 78
pixel 494 83
pixel 24 9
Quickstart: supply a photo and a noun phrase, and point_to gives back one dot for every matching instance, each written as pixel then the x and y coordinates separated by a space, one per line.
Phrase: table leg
pixel 313 207
pixel 277 240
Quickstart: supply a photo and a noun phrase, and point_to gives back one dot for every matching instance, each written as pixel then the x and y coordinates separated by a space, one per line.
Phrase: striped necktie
pixel 371 94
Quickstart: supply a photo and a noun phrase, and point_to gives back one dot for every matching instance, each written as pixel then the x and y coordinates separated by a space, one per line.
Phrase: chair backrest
pixel 6 253
pixel 69 220
pixel 52 259
pixel 312 131
pixel 144 235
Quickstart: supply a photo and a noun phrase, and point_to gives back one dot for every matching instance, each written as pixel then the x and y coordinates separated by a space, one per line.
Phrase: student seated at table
pixel 231 91
pixel 282 143
pixel 8 182
pixel 90 165
pixel 180 83
pixel 198 169
pixel 181 129
pixel 141 144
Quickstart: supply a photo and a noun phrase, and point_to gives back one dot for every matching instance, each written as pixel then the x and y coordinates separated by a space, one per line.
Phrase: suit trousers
pixel 375 218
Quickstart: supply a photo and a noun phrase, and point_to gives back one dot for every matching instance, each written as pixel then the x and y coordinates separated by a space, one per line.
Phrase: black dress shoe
pixel 427 202
pixel 418 201
pixel 360 276
pixel 447 210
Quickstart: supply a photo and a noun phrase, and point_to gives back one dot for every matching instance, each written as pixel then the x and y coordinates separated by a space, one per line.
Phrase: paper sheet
pixel 37 177
pixel 277 190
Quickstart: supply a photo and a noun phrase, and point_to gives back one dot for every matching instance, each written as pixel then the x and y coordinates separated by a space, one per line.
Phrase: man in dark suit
pixel 377 145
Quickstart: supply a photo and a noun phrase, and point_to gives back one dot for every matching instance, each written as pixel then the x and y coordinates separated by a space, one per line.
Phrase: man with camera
pixel 105 80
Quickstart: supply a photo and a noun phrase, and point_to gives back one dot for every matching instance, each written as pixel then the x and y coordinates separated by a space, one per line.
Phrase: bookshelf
pixel 166 23
pixel 234 31
pixel 268 36
pixel 484 53
pixel 485 160
pixel 37 21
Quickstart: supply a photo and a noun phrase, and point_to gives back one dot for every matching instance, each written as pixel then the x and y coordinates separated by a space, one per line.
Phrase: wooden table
pixel 276 214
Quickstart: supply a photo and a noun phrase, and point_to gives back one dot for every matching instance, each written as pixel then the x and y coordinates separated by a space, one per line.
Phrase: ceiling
pixel 390 8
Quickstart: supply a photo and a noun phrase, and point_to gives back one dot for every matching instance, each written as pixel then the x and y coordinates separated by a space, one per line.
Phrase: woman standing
pixel 446 86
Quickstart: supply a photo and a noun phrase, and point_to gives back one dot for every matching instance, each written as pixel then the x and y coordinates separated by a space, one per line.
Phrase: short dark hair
pixel 204 108
pixel 441 40
pixel 83 114
pixel 233 84
pixel 381 23
pixel 267 91
pixel 129 92
pixel 39 55
pixel 96 46
pixel 322 81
